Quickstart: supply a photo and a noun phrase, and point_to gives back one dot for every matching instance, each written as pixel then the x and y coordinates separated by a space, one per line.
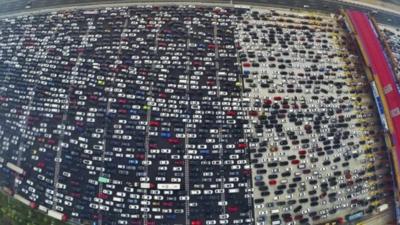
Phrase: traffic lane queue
pixel 105 82
pixel 309 127
pixel 127 104
pixel 204 145
pixel 49 128
pixel 84 161
pixel 20 80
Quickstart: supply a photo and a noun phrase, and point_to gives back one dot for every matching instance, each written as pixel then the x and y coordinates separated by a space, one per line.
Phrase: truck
pixel 15 168
pixel 22 199
pixel 57 215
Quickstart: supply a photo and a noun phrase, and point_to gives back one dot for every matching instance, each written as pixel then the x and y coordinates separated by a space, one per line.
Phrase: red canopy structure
pixel 378 62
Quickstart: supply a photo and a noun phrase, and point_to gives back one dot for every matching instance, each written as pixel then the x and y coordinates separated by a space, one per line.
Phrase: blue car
pixel 133 161
pixel 258 177
pixel 165 134
pixel 170 216
pixel 204 151
pixel 133 112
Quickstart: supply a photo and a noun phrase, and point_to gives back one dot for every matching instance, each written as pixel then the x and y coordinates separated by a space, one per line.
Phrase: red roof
pixel 374 52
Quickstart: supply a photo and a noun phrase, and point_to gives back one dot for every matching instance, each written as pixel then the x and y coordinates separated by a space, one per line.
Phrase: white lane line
pixel 246 137
pixel 221 149
pixel 147 137
pixel 100 218
pixel 74 72
pixel 187 169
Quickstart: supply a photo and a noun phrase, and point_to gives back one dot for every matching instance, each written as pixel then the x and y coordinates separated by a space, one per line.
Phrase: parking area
pixel 187 115
pixel 316 150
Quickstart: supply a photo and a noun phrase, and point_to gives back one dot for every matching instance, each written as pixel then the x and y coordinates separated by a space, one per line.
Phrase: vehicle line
pixel 273 129
pixel 24 126
pixel 72 83
pixel 106 126
pixel 187 160
pixel 147 132
pixel 220 138
pixel 246 134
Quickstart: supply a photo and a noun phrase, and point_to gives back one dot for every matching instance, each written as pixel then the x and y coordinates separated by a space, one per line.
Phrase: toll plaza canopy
pixel 377 60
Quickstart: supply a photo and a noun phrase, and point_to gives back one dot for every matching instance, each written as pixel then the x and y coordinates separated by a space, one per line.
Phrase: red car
pixel 167 204
pixel 295 161
pixel 153 146
pixel 122 101
pixel 231 113
pixel 122 111
pixel 179 162
pixel 140 156
pixel 154 123
pixel 246 64
pixel 233 209
pixel 196 222
pixel 253 113
pixel 241 145
pixel 210 82
pixel 302 152
pixel 212 46
pixel 196 63
pixel 267 101
pixel 102 196
pixel 174 141
pixel 40 165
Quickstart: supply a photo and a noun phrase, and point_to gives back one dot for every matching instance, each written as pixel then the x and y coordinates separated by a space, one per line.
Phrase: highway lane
pixel 331 6
pixel 325 5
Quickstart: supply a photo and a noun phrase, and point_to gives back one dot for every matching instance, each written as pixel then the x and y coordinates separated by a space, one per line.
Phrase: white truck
pixel 57 215
pixel 15 168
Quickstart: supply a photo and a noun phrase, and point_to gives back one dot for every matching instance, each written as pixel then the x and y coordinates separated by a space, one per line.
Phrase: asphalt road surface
pixel 324 5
